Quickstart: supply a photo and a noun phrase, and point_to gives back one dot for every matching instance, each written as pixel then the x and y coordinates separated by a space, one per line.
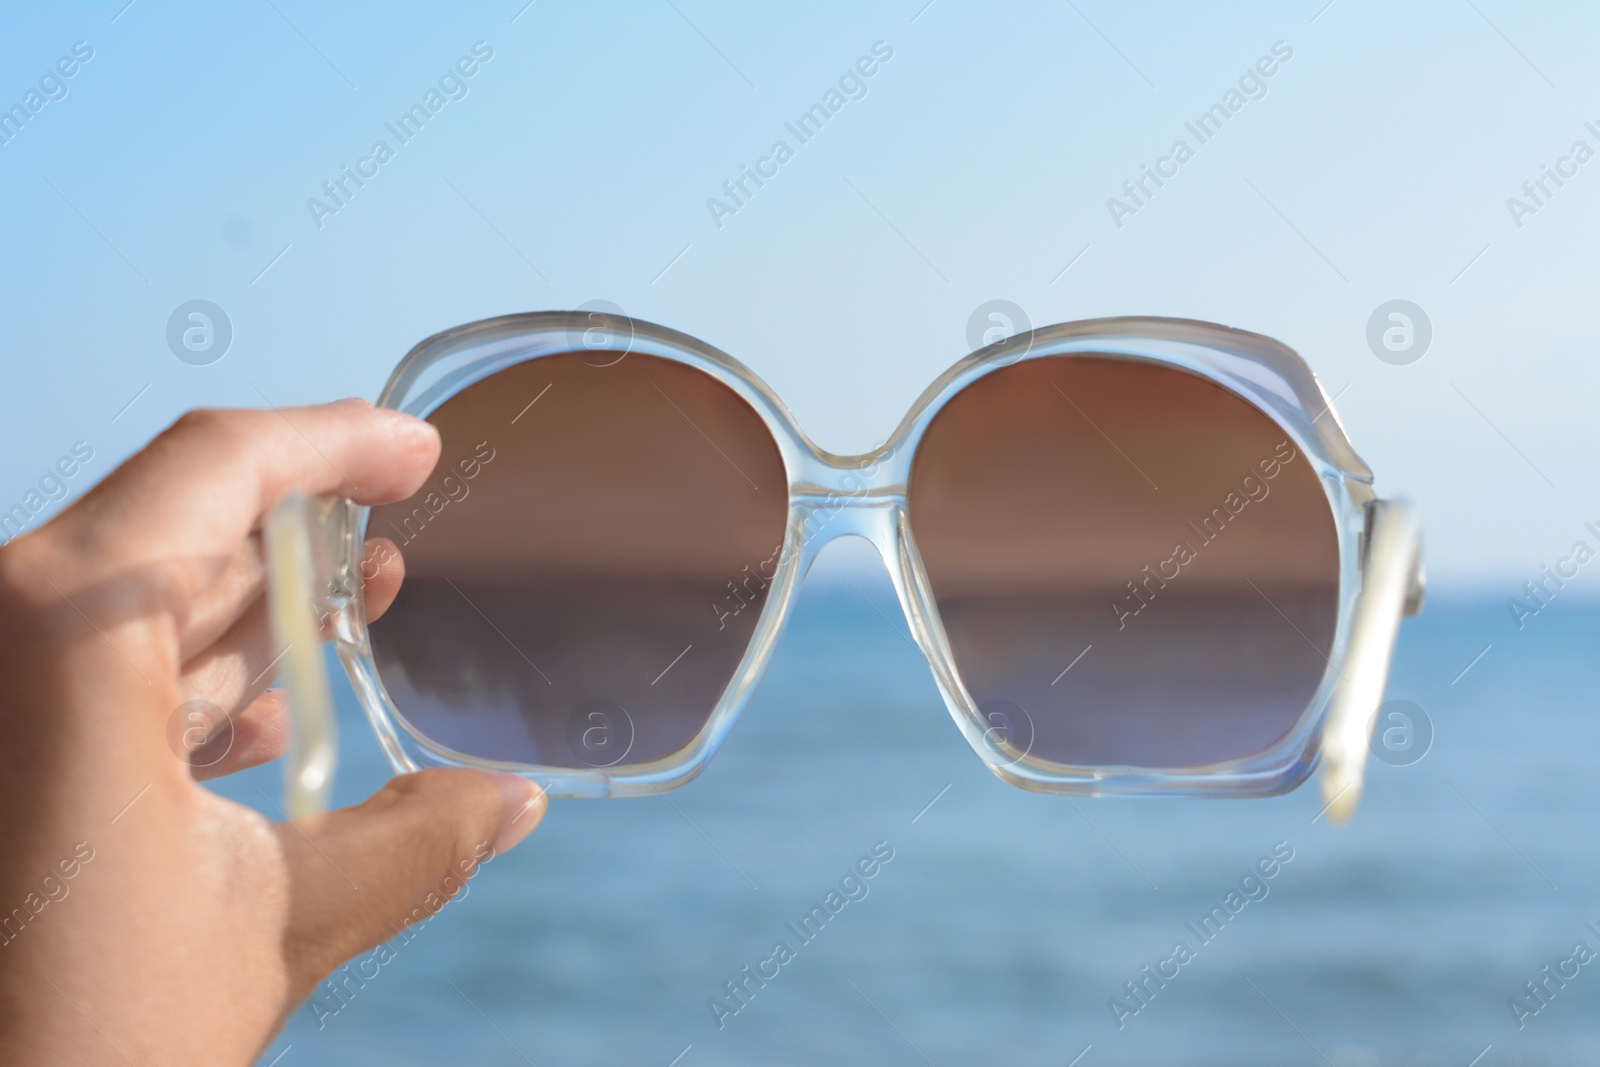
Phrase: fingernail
pixel 522 805
pixel 360 400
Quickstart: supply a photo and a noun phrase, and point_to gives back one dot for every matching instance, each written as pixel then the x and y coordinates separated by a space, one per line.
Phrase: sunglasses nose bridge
pixel 821 520
pixel 837 496
pixel 849 480
pixel 827 517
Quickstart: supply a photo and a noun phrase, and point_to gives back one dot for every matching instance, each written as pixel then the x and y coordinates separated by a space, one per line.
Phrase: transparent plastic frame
pixel 833 496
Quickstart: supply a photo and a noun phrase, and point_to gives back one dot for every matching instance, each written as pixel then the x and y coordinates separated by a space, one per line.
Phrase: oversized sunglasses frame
pixel 314 548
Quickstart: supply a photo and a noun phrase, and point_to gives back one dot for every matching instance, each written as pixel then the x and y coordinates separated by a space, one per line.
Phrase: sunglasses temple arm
pixel 1392 586
pixel 308 583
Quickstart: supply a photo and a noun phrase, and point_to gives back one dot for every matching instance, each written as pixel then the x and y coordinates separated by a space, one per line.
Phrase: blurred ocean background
pixel 1006 921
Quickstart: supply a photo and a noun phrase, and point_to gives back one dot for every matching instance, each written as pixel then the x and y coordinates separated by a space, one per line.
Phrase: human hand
pixel 143 918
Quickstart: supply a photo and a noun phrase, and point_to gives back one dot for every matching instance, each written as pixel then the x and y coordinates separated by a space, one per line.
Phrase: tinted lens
pixel 1134 566
pixel 586 564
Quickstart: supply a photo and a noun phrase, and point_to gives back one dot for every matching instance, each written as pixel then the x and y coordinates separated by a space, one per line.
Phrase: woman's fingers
pixel 181 507
pixel 382 571
pixel 258 734
pixel 214 610
pixel 360 875
pixel 240 664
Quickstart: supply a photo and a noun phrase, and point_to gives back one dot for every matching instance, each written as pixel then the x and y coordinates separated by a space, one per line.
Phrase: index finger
pixel 183 503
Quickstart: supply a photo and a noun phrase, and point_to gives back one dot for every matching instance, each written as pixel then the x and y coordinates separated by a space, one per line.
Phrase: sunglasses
pixel 1139 555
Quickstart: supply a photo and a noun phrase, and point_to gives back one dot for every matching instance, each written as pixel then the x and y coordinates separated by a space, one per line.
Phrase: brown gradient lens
pixel 1134 565
pixel 585 566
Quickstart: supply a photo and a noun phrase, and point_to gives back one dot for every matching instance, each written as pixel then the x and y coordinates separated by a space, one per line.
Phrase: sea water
pixel 1008 926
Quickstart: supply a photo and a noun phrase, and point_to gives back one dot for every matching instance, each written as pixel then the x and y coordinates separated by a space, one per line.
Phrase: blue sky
pixel 978 164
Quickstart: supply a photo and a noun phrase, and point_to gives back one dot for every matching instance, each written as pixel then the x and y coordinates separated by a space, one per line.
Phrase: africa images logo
pixel 1252 85
pixel 453 84
pixel 1252 489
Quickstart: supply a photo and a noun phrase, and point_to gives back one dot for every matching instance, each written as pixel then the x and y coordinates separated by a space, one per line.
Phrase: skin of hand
pixel 143 918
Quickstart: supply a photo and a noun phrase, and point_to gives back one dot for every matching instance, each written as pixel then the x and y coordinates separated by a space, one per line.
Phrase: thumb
pixel 360 875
